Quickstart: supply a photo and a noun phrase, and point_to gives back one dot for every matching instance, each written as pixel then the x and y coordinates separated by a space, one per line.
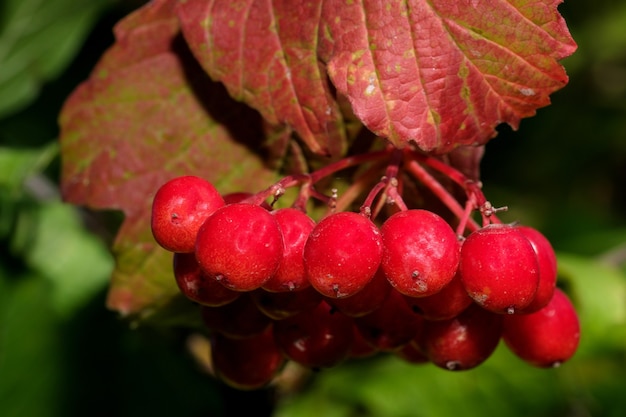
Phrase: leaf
pixel 81 265
pixel 37 39
pixel 146 114
pixel 598 291
pixel 32 360
pixel 442 73
pixel 265 53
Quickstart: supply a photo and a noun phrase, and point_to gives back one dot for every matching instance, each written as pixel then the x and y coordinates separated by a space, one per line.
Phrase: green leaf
pixel 598 291
pixel 17 164
pixel 148 113
pixel 52 240
pixel 30 344
pixel 37 40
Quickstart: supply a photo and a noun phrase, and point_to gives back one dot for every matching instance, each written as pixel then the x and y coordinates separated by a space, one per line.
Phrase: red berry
pixel 280 305
pixel 361 348
pixel 499 268
pixel 420 252
pixel 295 227
pixel 463 342
pixel 411 353
pixel 317 338
pixel 342 254
pixel 246 364
pixel 196 285
pixel 240 246
pixel 547 337
pixel 371 297
pixel 391 326
pixel 444 305
pixel 238 319
pixel 547 268
pixel 179 208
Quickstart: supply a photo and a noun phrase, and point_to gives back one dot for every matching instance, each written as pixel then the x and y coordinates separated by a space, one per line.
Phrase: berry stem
pixel 387 182
pixel 446 198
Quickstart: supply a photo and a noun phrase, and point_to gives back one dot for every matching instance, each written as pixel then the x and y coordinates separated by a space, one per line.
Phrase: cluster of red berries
pixel 273 285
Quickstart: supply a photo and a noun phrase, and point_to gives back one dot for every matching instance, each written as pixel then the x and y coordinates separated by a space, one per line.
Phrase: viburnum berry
pixel 179 208
pixel 390 326
pixel 240 245
pixel 446 304
pixel 420 252
pixel 372 296
pixel 280 305
pixel 463 342
pixel 239 319
pixel 547 268
pixel 342 254
pixel 246 364
pixel 499 268
pixel 317 338
pixel 295 227
pixel 547 337
pixel 196 285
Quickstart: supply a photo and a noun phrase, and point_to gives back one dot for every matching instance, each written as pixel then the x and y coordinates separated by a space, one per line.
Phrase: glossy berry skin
pixel 420 252
pixel 342 254
pixel 179 208
pixel 240 246
pixel 391 326
pixel 317 338
pixel 463 342
pixel 372 296
pixel 547 267
pixel 196 285
pixel 547 337
pixel 246 364
pixel 295 227
pixel 499 268
pixel 448 303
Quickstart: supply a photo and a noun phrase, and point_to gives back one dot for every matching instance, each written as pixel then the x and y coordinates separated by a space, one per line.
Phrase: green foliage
pixel 37 40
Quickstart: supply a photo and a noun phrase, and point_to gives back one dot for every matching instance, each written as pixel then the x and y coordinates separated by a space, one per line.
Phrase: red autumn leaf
pixel 148 113
pixel 265 53
pixel 444 73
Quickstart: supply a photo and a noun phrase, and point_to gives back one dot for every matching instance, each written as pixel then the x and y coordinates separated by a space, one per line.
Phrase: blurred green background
pixel 63 354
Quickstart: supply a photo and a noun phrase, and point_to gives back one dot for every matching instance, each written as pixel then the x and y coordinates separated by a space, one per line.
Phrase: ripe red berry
pixel 371 297
pixel 280 305
pixel 463 342
pixel 392 325
pixel 547 337
pixel 499 268
pixel 342 254
pixel 240 246
pixel 238 319
pixel 295 227
pixel 547 268
pixel 444 305
pixel 246 364
pixel 179 208
pixel 317 338
pixel 411 353
pixel 420 252
pixel 197 286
